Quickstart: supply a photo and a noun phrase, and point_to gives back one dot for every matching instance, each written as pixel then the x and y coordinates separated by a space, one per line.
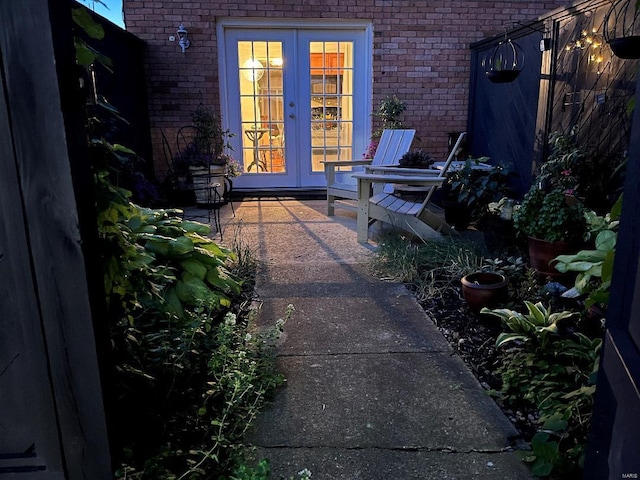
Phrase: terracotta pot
pixel 483 289
pixel 542 252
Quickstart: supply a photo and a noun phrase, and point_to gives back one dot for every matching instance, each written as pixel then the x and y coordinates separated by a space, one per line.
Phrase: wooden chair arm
pixel 345 163
pixel 402 170
pixel 405 179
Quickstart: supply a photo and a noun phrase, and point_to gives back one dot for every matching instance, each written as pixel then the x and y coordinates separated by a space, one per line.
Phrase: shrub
pixel 190 369
pixel 550 216
pixel 553 369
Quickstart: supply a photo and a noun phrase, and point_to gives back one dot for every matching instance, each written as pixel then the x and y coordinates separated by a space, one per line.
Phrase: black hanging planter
pixel 504 62
pixel 622 29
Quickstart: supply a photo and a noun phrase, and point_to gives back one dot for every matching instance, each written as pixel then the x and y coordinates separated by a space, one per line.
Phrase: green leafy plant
pixel 595 266
pixel 416 159
pixel 156 261
pixel 538 325
pixel 595 178
pixel 86 55
pixel 430 267
pixel 261 472
pixel 188 368
pixel 550 216
pixel 553 368
pixel 389 112
pixel 208 381
pixel 558 171
pixel 477 188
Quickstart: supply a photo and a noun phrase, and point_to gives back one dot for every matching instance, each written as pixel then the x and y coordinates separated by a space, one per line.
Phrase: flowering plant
pixel 371 150
pixel 559 170
pixel 232 167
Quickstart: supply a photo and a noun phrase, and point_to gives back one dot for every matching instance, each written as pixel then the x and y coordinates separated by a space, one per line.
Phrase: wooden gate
pixel 52 422
pixel 615 434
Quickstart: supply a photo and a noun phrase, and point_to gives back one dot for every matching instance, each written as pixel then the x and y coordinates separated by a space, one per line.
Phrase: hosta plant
pixel 552 368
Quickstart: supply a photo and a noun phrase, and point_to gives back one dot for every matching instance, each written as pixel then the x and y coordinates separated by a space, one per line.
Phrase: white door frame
pixel 362 124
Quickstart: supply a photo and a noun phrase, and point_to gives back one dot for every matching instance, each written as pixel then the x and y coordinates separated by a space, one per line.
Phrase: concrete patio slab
pixel 373 389
pixel 321 326
pixel 374 463
pixel 391 401
pixel 280 233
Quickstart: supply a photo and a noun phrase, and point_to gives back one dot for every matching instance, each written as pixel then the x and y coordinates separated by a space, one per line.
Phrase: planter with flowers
pixel 554 224
pixel 552 216
pixel 201 152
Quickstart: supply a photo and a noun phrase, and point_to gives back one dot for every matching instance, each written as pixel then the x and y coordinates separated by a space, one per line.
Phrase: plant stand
pixel 205 179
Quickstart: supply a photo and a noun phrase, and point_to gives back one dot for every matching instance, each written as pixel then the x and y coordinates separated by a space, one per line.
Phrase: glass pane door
pixel 294 98
pixel 332 87
pixel 262 106
pixel 259 92
pixel 331 102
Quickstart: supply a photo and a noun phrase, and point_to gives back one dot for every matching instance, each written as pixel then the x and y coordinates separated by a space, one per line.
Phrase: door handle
pixel 291 115
pixel 291 104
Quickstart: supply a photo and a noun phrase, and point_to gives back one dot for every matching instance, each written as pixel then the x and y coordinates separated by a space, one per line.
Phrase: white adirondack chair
pixel 414 216
pixel 342 186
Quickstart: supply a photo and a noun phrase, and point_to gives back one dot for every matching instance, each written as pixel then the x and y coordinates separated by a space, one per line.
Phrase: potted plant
pixel 201 150
pixel 416 159
pixel 552 215
pixel 469 190
pixel 497 224
pixel 554 224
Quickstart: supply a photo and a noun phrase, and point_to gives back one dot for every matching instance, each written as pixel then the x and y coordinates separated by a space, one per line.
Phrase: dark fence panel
pixel 578 83
pixel 124 87
pixel 502 116
pixel 53 423
pixel 592 92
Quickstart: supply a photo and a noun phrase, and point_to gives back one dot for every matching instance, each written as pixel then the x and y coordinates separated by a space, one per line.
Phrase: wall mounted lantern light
pixel 183 38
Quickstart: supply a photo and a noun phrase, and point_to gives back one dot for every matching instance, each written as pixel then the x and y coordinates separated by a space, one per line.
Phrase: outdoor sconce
pixel 504 62
pixel 183 39
pixel 622 29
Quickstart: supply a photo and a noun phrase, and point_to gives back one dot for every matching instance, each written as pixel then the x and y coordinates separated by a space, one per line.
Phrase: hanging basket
pixel 622 29
pixel 504 62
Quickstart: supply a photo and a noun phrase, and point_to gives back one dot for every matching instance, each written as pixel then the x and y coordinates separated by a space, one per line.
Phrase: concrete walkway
pixel 373 389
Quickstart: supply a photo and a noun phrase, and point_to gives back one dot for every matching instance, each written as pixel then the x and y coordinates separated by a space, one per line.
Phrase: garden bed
pixel 535 355
pixel 473 338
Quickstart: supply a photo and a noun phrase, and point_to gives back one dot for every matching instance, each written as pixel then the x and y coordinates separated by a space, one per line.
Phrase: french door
pixel 294 97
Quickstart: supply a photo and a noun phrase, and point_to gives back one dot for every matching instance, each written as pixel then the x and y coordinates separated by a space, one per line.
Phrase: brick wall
pixel 420 53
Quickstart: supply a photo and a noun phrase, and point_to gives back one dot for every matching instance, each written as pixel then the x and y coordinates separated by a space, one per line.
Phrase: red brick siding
pixel 420 53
